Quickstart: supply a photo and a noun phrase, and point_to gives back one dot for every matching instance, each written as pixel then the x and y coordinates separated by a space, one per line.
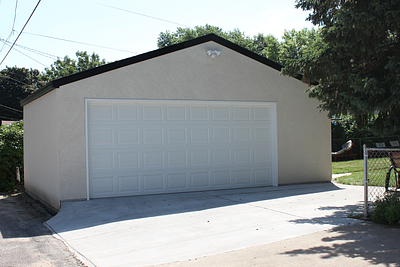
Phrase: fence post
pixel 365 180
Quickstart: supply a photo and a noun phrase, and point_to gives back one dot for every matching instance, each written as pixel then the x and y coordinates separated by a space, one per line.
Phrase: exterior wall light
pixel 213 53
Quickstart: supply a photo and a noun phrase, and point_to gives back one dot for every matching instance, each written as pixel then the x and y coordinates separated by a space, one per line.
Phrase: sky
pixel 120 29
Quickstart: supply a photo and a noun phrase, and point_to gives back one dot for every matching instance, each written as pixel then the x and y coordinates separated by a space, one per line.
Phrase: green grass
pixel 377 171
pixel 348 166
pixel 356 178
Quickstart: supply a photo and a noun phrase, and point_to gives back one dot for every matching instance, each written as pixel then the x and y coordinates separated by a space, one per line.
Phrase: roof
pixel 146 56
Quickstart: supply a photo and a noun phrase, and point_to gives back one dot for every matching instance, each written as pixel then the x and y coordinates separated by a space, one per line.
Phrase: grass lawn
pixel 378 168
pixel 355 167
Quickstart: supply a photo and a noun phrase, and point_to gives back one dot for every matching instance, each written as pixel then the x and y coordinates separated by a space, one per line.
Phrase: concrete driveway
pixel 148 230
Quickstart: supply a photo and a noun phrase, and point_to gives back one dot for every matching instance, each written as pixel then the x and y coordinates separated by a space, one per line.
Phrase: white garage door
pixel 138 147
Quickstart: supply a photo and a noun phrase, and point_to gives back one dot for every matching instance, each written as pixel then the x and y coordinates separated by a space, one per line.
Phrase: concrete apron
pixel 147 230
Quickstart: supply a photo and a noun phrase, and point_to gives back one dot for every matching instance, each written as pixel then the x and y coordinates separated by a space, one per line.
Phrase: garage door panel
pixel 146 147
pixel 242 135
pixel 128 160
pixel 263 176
pixel 221 135
pixel 153 182
pixel 102 185
pixel 176 113
pixel 241 113
pixel 261 113
pixel 153 136
pixel 221 156
pixel 220 113
pixel 129 184
pixel 177 136
pixel 153 159
pixel 199 113
pixel 127 112
pixel 177 158
pixel 199 135
pixel 262 155
pixel 200 180
pixel 101 112
pixel 177 181
pixel 128 136
pixel 242 177
pixel 101 137
pixel 152 113
pixel 102 161
pixel 199 157
pixel 221 179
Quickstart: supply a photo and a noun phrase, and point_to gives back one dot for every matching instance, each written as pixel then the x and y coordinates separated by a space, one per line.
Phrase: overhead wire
pixel 26 23
pixel 44 54
pixel 12 28
pixel 140 14
pixel 72 41
pixel 10 108
pixel 37 61
pixel 77 42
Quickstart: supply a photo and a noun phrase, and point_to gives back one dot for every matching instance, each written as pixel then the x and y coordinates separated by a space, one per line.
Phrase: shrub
pixel 387 209
pixel 11 155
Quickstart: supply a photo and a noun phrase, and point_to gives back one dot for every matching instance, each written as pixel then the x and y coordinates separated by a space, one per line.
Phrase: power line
pixel 12 28
pixel 72 41
pixel 26 23
pixel 136 13
pixel 44 54
pixel 10 108
pixel 30 57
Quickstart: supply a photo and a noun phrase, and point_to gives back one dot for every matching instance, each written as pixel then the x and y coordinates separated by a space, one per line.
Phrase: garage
pixel 138 147
pixel 205 114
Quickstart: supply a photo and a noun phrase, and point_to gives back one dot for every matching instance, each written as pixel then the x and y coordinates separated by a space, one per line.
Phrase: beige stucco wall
pixel 303 132
pixel 41 148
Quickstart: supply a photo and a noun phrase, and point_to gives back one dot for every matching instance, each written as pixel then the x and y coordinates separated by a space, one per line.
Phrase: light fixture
pixel 213 53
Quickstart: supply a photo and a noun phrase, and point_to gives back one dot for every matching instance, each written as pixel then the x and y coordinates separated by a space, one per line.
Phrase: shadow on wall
pixel 84 214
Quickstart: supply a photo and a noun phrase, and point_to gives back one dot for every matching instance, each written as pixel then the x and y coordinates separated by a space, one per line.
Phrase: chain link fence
pixel 381 166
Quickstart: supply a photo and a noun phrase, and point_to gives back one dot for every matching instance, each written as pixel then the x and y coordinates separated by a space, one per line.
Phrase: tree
pixel 298 49
pixel 11 155
pixel 15 85
pixel 67 66
pixel 267 46
pixel 357 70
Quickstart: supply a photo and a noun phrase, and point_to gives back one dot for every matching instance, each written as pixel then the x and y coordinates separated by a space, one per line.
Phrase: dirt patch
pixel 24 239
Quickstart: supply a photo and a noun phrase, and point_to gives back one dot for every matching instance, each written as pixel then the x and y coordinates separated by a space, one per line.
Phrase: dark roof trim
pixel 146 56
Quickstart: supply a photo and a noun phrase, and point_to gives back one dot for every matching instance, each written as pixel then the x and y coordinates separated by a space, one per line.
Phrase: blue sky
pixel 103 23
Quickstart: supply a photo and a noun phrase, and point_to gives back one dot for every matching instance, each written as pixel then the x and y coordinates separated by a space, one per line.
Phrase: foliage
pixel 67 66
pixel 298 50
pixel 357 70
pixel 11 154
pixel 387 209
pixel 267 46
pixel 15 85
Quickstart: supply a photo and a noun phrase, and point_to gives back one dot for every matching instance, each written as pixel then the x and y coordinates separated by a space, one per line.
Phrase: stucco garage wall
pixel 41 125
pixel 188 74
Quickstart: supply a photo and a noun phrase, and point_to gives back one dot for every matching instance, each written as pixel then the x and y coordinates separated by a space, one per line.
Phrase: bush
pixel 11 155
pixel 387 209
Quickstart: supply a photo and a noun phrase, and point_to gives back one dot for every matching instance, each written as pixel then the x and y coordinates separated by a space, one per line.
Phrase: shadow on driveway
pixel 154 229
pixel 366 241
pixel 85 214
